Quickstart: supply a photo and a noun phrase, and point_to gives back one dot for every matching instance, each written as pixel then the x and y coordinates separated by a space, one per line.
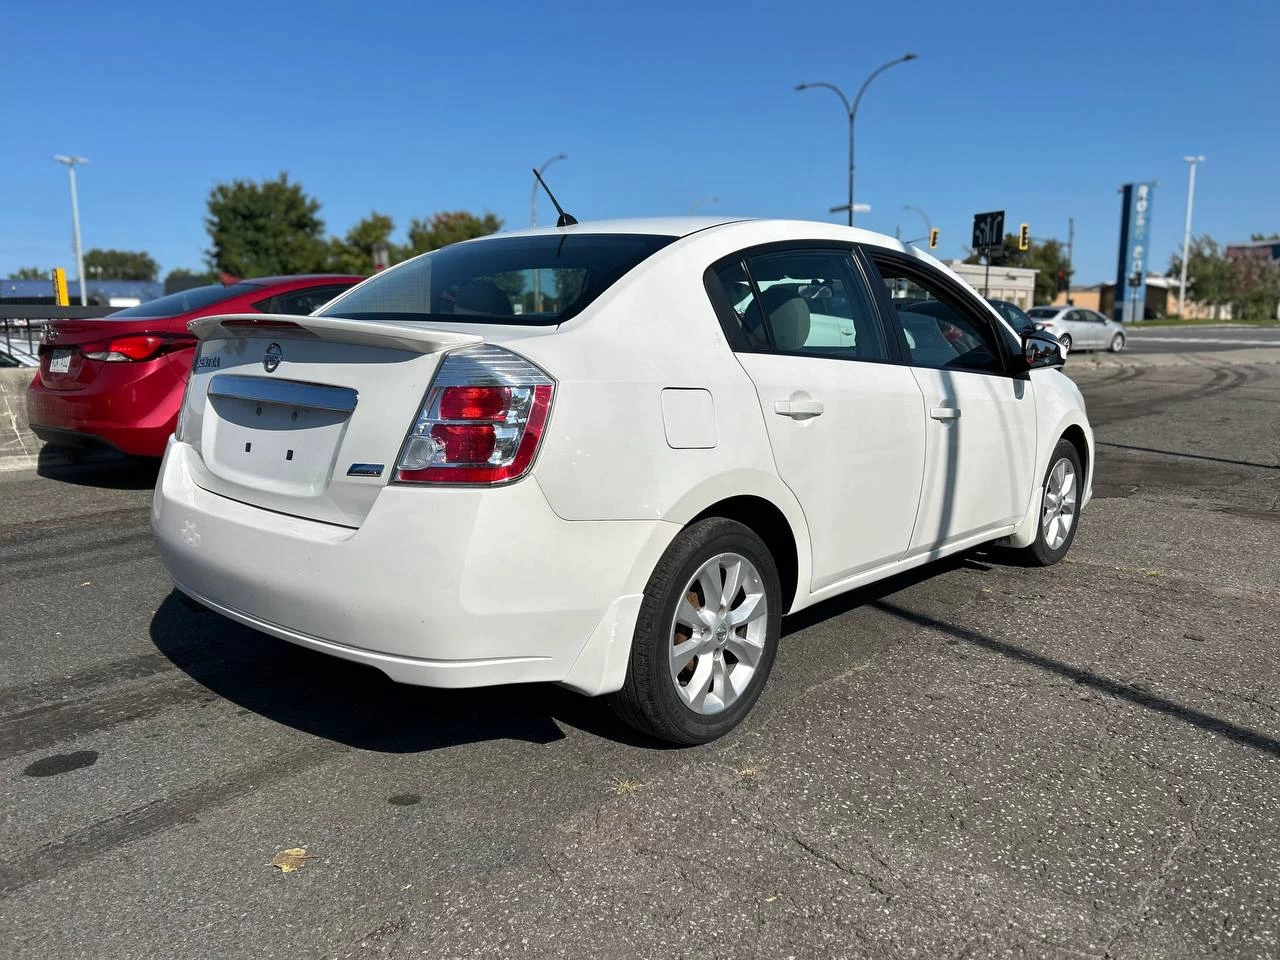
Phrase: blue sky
pixel 1042 109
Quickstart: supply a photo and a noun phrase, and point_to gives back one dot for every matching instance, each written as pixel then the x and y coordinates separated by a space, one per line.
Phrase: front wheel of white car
pixel 1059 512
pixel 706 636
pixel 1117 343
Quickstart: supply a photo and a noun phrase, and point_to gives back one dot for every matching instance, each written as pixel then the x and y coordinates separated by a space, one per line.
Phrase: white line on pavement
pixel 1156 338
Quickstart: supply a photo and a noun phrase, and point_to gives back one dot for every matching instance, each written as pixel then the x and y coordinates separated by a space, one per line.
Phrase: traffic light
pixel 1062 281
pixel 933 237
pixel 1024 236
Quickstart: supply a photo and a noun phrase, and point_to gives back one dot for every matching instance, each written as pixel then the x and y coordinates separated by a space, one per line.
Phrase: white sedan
pixel 612 456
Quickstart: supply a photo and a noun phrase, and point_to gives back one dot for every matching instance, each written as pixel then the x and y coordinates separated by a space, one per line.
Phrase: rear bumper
pixel 135 416
pixel 438 587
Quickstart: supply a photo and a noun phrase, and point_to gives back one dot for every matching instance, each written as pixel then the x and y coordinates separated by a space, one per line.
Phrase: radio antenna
pixel 566 219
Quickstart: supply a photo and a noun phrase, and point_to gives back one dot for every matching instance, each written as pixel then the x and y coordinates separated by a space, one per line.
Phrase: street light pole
pixel 533 222
pixel 928 224
pixel 1186 232
pixel 75 220
pixel 851 109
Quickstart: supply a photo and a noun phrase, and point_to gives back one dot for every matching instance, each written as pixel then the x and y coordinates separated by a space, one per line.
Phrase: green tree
pixel 449 227
pixel 1255 287
pixel 180 278
pixel 1249 282
pixel 354 252
pixel 120 265
pixel 1047 256
pixel 262 229
pixel 1209 273
pixel 30 273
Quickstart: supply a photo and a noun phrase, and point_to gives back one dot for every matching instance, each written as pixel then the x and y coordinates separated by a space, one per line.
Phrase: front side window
pixel 940 329
pixel 544 279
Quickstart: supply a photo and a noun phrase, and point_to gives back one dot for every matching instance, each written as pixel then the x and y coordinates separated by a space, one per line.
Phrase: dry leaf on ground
pixel 295 858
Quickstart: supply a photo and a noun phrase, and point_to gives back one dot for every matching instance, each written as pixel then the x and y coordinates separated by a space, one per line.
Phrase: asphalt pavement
pixel 975 760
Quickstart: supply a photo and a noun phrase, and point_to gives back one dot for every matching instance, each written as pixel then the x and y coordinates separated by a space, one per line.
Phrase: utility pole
pixel 75 220
pixel 1071 243
pixel 1186 232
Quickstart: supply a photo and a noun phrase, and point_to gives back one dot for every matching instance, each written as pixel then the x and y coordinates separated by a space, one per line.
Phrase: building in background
pixel 1269 249
pixel 1161 300
pixel 1015 284
pixel 102 293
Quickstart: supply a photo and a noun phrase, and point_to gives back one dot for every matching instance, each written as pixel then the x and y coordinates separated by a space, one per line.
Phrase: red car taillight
pixel 138 346
pixel 481 422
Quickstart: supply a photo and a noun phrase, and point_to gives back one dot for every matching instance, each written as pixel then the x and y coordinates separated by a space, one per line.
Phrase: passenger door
pixel 844 414
pixel 980 421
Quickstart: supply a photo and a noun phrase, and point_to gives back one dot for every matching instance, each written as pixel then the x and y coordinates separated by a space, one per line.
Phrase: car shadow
pixel 105 469
pixel 359 706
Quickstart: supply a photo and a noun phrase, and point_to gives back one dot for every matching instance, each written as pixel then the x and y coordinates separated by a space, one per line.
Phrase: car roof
pixel 304 278
pixel 649 226
pixel 678 227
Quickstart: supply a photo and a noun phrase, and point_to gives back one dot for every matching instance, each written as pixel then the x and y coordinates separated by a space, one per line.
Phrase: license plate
pixel 60 362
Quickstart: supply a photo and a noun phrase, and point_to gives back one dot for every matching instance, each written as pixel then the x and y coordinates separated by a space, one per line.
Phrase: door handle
pixel 945 413
pixel 798 409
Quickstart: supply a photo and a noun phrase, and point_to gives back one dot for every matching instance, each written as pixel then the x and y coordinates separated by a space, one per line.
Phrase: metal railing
pixel 21 324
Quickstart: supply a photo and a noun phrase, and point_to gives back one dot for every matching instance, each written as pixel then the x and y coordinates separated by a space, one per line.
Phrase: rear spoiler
pixel 402 336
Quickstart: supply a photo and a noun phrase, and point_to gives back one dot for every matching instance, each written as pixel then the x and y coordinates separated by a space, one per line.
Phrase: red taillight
pixel 474 403
pixel 465 442
pixel 137 346
pixel 485 431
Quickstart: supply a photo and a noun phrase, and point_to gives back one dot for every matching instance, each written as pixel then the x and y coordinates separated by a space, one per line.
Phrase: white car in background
pixel 612 456
pixel 1079 329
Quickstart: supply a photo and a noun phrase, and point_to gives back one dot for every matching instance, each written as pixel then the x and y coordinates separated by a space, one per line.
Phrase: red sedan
pixel 118 381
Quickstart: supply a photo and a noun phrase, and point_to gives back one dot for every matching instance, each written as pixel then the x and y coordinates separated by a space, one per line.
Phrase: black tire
pixel 1040 553
pixel 1065 340
pixel 1117 343
pixel 648 700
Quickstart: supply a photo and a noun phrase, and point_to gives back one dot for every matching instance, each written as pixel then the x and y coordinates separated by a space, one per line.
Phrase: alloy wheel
pixel 1059 510
pixel 718 633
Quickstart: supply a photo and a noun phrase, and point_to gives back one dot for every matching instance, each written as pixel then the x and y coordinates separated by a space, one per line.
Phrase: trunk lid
pixel 306 415
pixel 63 364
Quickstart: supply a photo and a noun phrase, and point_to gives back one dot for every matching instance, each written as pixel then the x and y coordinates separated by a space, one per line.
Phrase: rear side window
pixel 184 301
pixel 800 301
pixel 301 302
pixel 542 279
pixel 813 303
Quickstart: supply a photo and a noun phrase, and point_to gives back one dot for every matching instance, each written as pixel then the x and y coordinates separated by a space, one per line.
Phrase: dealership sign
pixel 1135 251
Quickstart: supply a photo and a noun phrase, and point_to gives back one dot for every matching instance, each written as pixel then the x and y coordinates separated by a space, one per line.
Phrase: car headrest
pixel 481 296
pixel 788 317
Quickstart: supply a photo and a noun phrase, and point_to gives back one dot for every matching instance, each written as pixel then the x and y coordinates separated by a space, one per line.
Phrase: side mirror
pixel 1040 349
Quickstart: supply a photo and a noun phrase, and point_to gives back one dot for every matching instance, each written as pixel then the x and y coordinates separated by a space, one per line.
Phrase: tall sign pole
pixel 1131 267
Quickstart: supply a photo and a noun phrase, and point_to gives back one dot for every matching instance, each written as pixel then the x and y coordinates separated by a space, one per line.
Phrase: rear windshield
pixel 1042 312
pixel 184 302
pixel 525 280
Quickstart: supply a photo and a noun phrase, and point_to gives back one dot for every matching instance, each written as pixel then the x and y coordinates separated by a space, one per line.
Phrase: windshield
pixel 1042 312
pixel 184 301
pixel 525 280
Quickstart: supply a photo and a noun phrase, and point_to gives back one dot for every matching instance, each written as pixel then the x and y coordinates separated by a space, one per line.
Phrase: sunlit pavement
pixel 978 760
